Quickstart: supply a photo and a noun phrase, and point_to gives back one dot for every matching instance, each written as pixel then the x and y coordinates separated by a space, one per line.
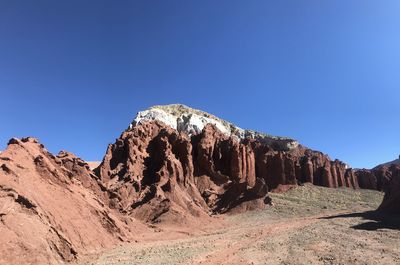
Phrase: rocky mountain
pixel 173 164
pixel 192 121
pixel 175 159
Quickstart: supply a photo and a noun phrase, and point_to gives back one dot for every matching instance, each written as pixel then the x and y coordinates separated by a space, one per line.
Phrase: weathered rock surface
pixel 149 172
pixel 378 177
pixel 192 121
pixel 153 169
pixel 391 201
pixel 374 179
pixel 172 165
pixel 49 210
pixel 384 177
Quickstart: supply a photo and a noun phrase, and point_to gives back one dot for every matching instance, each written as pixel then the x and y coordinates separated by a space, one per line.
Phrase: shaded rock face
pixel 379 177
pixel 391 201
pixel 375 179
pixel 153 169
pixel 385 177
pixel 49 210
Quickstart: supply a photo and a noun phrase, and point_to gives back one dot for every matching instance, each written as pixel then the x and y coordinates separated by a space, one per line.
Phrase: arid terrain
pixel 181 186
pixel 306 225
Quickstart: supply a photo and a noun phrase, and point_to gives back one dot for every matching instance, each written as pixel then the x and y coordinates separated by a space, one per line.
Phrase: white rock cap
pixel 192 121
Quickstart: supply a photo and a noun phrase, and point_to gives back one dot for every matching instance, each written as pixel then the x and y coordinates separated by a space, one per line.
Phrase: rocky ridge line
pixel 152 166
pixel 192 121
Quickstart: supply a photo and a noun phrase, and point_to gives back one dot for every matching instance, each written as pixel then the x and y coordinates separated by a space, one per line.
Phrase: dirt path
pixel 309 225
pixel 229 247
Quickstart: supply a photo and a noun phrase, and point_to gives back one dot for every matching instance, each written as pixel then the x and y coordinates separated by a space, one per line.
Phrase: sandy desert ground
pixel 306 225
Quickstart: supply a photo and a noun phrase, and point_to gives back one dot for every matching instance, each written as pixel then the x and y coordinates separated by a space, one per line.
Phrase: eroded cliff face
pixel 385 177
pixel 153 169
pixel 375 179
pixel 51 207
pixel 155 173
pixel 149 171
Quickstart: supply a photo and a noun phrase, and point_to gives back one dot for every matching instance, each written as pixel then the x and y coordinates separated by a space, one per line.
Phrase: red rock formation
pixel 376 179
pixel 152 170
pixel 301 165
pixel 391 201
pixel 152 173
pixel 149 172
pixel 384 178
pixel 367 179
pixel 47 213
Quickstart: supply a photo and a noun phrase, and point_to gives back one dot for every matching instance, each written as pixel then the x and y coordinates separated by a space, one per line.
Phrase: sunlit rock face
pixel 174 159
pixel 192 122
pixel 52 207
pixel 174 165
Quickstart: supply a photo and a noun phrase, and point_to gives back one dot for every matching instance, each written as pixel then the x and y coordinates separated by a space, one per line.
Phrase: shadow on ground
pixel 376 220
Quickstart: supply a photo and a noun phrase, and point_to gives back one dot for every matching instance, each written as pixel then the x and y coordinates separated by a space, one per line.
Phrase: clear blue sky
pixel 74 73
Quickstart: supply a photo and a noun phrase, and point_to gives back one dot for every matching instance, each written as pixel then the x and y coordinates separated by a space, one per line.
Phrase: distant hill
pixel 396 162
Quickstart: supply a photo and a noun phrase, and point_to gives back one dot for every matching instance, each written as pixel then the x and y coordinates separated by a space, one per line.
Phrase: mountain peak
pixel 192 121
